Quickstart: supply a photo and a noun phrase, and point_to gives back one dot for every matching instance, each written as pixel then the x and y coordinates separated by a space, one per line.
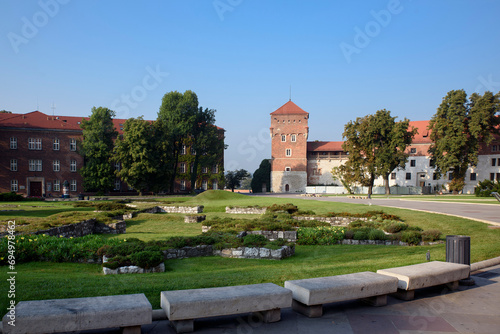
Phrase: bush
pixel 431 235
pixel 376 235
pixel 395 227
pixel 288 207
pixel 10 197
pixel 411 237
pixel 486 187
pixel 254 240
pixel 321 235
pixel 147 259
pixel 349 234
pixel 360 235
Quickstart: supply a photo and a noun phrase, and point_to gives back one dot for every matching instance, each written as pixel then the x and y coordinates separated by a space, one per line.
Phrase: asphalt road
pixel 487 213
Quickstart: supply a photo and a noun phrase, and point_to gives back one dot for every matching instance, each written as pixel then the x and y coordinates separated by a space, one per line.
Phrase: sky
pixel 337 60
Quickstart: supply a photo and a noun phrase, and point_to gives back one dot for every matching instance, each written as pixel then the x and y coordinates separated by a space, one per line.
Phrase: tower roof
pixel 289 108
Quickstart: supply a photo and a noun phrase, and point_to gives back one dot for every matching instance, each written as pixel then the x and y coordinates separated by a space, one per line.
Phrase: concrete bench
pixel 78 314
pixel 425 275
pixel 309 295
pixel 183 306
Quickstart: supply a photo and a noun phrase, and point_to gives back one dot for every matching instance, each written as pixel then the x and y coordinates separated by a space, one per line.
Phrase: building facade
pixel 40 158
pixel 319 158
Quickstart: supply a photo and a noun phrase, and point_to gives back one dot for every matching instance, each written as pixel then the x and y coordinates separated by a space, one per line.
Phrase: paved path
pixel 471 309
pixel 488 213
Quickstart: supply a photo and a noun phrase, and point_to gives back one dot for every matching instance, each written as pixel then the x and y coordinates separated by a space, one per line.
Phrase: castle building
pixel 298 165
pixel 40 158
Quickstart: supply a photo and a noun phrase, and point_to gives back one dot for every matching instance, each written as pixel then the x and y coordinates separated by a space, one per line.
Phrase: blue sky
pixel 342 59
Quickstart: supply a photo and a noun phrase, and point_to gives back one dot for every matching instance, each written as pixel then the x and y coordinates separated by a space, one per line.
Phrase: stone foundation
pixel 334 221
pixel 257 253
pixel 290 236
pixel 134 270
pixel 245 211
pixel 175 209
pixel 187 252
pixel 194 219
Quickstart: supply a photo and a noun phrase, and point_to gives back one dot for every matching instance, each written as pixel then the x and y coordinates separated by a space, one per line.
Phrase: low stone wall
pixel 134 270
pixel 290 236
pixel 186 252
pixel 175 209
pixel 194 219
pixel 81 229
pixel 257 253
pixel 334 221
pixel 372 242
pixel 246 211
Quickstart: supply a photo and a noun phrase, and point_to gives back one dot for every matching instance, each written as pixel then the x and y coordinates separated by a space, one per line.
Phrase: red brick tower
pixel 289 131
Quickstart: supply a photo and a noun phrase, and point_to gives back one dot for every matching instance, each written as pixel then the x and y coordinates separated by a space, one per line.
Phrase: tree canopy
pixel 376 145
pixel 233 178
pixel 97 148
pixel 262 176
pixel 458 129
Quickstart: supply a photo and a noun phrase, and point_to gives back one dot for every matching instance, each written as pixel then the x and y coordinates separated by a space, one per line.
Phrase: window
pixel 393 176
pixel 72 185
pixel 473 176
pixel 288 169
pixel 498 176
pixel 183 185
pixel 57 185
pixel 204 170
pixel 215 186
pixel 283 138
pixel 55 145
pixel 413 150
pixel 408 176
pixel 72 144
pixel 413 163
pixel 493 162
pixel 495 148
pixel 294 138
pixel 35 165
pixel 34 144
pixel 204 185
pixel 215 169
pixel 13 143
pixel 117 184
pixel 450 176
pixel 182 167
pixel 183 150
pixel 117 166
pixel 13 165
pixel 492 176
pixel 14 186
pixel 49 186
pixel 288 152
pixel 193 151
pixel 56 165
pixel 434 176
pixel 72 166
pixel 432 163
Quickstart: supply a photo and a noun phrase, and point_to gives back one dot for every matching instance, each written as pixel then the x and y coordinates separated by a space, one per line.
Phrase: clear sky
pixel 342 59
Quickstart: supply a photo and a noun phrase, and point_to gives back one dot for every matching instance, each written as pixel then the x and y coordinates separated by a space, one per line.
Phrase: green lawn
pixel 43 280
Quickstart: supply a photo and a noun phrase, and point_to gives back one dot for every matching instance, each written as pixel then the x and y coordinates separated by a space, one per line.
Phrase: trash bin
pixel 458 249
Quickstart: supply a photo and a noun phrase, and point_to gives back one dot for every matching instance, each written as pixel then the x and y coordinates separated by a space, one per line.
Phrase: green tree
pixel 174 124
pixel 376 145
pixel 458 129
pixel 346 176
pixel 136 152
pixel 97 149
pixel 262 176
pixel 207 142
pixel 233 178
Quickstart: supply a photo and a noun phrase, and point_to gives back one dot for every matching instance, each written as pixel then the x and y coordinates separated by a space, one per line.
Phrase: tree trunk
pixel 194 174
pixel 386 184
pixel 370 187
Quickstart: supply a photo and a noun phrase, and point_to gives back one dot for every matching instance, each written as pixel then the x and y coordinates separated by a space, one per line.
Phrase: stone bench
pixel 183 306
pixel 425 275
pixel 309 295
pixel 128 312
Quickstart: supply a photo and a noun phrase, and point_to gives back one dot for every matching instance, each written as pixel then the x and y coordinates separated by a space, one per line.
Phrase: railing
pixel 496 195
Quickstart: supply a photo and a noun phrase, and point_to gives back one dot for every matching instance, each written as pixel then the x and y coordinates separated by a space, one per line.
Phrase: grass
pixel 43 280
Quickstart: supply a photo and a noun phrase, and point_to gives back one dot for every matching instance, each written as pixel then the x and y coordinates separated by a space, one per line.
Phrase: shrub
pixel 486 187
pixel 288 207
pixel 254 240
pixel 322 235
pixel 411 237
pixel 111 206
pixel 360 235
pixel 376 235
pixel 349 234
pixel 147 259
pixel 10 197
pixel 431 235
pixel 395 227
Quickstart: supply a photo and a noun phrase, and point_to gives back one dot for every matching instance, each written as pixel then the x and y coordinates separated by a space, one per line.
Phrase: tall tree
pixel 233 178
pixel 136 152
pixel 207 142
pixel 174 123
pixel 262 176
pixel 97 149
pixel 376 145
pixel 457 130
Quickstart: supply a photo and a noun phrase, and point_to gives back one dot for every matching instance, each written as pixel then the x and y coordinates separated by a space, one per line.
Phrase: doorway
pixel 287 188
pixel 35 189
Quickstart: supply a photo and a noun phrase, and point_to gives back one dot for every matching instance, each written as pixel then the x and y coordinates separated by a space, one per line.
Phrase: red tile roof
pixel 423 135
pixel 289 108
pixel 324 146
